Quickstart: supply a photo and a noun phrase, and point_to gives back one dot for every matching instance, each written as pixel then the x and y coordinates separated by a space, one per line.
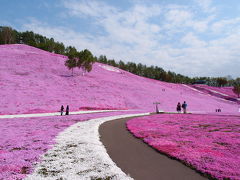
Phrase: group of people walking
pixel 180 107
pixel 67 110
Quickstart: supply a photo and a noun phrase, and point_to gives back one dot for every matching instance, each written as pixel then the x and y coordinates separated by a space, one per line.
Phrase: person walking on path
pixel 184 106
pixel 67 110
pixel 62 109
pixel 178 107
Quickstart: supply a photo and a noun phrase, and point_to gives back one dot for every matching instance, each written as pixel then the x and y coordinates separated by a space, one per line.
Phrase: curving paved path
pixel 139 160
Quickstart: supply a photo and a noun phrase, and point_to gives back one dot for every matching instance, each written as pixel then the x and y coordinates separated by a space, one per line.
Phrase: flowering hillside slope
pixel 222 92
pixel 209 143
pixel 225 91
pixel 34 81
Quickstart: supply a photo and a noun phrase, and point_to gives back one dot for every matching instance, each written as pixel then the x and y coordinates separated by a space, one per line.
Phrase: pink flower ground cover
pixel 24 140
pixel 220 92
pixel 225 90
pixel 34 81
pixel 208 143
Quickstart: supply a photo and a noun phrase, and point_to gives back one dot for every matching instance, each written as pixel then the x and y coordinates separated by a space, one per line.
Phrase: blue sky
pixel 191 37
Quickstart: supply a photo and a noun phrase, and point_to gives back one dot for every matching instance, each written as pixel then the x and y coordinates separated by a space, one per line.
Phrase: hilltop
pixel 33 81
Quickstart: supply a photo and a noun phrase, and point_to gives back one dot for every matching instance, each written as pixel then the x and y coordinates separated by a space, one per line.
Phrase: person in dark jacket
pixel 184 106
pixel 62 109
pixel 67 110
pixel 179 107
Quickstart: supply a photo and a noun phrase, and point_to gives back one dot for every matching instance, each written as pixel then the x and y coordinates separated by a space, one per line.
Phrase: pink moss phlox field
pixel 209 143
pixel 225 90
pixel 36 81
pixel 220 92
pixel 24 140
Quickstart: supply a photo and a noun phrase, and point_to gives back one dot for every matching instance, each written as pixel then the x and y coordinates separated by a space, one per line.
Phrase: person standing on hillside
pixel 178 107
pixel 67 110
pixel 62 109
pixel 184 106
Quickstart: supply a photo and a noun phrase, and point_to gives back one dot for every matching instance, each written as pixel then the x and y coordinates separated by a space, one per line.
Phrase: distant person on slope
pixel 62 109
pixel 67 110
pixel 184 106
pixel 178 107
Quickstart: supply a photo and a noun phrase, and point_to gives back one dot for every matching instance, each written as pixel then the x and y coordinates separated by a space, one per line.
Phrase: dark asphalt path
pixel 138 159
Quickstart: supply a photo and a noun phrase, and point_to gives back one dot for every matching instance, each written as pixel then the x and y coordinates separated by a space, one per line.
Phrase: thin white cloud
pixel 226 26
pixel 193 41
pixel 88 8
pixel 131 35
pixel 45 5
pixel 201 25
pixel 181 18
pixel 177 16
pixel 206 6
pixel 121 26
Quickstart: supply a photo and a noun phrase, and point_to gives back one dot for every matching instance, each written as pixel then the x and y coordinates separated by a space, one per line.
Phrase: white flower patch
pixel 218 92
pixel 53 114
pixel 193 89
pixel 79 154
pixel 109 68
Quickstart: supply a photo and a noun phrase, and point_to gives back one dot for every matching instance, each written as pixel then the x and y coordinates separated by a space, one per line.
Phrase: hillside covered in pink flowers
pixel 34 81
